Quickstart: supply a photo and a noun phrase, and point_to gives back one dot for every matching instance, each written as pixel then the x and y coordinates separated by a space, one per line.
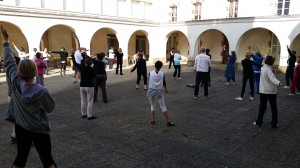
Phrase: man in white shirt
pixel 201 66
pixel 78 58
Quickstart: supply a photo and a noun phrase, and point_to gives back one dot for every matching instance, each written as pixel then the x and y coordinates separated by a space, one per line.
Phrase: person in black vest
pixel 119 61
pixel 172 52
pixel 101 77
pixel 141 70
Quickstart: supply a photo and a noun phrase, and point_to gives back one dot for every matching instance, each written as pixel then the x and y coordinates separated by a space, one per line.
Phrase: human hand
pixel 4 33
pixel 280 84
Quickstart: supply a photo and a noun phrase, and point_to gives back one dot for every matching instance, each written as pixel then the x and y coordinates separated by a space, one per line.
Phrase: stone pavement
pixel 217 132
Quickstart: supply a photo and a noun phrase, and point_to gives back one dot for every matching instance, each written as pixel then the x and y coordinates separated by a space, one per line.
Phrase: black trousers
pixel 201 77
pixel 41 142
pixel 171 61
pixel 264 98
pixel 289 76
pixel 119 64
pixel 177 68
pixel 245 79
pixel 139 75
pixel 100 81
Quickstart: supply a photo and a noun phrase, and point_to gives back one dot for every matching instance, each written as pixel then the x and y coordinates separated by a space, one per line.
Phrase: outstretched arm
pixel 289 50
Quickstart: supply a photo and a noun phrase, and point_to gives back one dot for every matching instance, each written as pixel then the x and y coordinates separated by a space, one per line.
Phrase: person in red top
pixel 40 67
pixel 296 80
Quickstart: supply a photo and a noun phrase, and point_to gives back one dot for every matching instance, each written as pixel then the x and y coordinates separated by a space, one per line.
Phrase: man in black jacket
pixel 289 74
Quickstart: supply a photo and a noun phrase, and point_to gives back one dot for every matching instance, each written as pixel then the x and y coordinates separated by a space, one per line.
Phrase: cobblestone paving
pixel 215 132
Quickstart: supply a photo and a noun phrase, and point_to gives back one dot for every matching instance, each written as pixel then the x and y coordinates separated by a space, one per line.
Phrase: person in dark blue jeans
pixel 258 59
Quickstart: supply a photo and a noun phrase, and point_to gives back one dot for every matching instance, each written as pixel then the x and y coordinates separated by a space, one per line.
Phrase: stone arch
pixel 16 36
pixel 103 39
pixel 215 40
pixel 259 39
pixel 179 41
pixel 138 41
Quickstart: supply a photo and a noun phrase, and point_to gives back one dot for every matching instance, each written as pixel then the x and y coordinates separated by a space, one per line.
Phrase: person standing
pixel 289 74
pixel 111 56
pixel 119 61
pixel 258 59
pixel 172 52
pixel 63 55
pixel 86 88
pixel 268 92
pixel 32 55
pixel 78 58
pixel 230 68
pixel 141 71
pixel 247 75
pixel 21 52
pixel 201 66
pixel 27 108
pixel 100 78
pixel 40 68
pixel 207 53
pixel 46 57
pixel 156 83
pixel 296 80
pixel 177 66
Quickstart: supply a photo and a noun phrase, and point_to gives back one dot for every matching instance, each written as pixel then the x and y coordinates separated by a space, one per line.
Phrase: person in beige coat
pixel 268 92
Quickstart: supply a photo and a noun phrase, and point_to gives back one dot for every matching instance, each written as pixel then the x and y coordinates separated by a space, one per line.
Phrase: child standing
pixel 141 70
pixel 40 67
pixel 28 107
pixel 156 83
pixel 177 66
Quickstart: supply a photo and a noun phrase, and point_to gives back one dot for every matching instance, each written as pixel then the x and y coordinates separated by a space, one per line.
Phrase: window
pixel 274 46
pixel 197 11
pixel 233 8
pixel 172 41
pixel 283 7
pixel 173 13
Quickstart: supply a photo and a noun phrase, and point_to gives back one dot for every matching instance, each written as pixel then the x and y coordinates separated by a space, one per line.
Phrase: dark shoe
pixel 275 126
pixel 209 85
pixel 84 116
pixel 105 101
pixel 152 122
pixel 91 118
pixel 95 100
pixel 170 124
pixel 256 124
pixel 121 74
pixel 13 140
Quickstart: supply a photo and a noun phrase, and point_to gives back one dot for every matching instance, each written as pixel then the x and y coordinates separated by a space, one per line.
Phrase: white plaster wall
pixel 30 3
pixel 214 9
pixel 10 3
pixel 110 7
pixel 54 4
pixel 256 8
pixel 74 5
pixel 93 6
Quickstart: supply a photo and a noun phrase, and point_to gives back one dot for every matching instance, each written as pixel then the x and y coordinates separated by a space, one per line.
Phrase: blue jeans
pixel 256 79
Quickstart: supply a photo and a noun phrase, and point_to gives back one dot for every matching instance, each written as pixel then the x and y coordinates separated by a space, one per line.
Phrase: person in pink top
pixel 296 80
pixel 40 67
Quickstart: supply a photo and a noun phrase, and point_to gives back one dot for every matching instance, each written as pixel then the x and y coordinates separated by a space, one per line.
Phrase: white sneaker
pixel 291 94
pixel 227 83
pixel 233 83
pixel 286 87
pixel 179 78
pixel 239 98
pixel 137 86
pixel 251 98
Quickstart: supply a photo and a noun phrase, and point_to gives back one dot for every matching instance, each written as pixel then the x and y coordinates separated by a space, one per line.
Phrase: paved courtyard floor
pixel 217 132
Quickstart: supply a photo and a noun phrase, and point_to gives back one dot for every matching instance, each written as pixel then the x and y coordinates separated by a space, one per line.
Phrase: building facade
pixel 155 26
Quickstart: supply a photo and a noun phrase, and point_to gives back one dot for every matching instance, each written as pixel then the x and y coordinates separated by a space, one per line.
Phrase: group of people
pixel 30 119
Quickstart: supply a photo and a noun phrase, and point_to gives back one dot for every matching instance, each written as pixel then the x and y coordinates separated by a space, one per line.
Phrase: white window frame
pixel 233 8
pixel 197 11
pixel 174 12
pixel 284 8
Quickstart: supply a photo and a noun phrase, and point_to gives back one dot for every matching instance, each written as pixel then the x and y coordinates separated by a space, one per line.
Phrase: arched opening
pixel 259 39
pixel 102 40
pixel 138 41
pixel 215 40
pixel 16 36
pixel 56 37
pixel 178 41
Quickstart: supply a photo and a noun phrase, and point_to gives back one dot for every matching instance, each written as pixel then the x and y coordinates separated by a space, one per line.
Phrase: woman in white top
pixel 268 92
pixel 46 57
pixel 21 52
pixel 156 83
